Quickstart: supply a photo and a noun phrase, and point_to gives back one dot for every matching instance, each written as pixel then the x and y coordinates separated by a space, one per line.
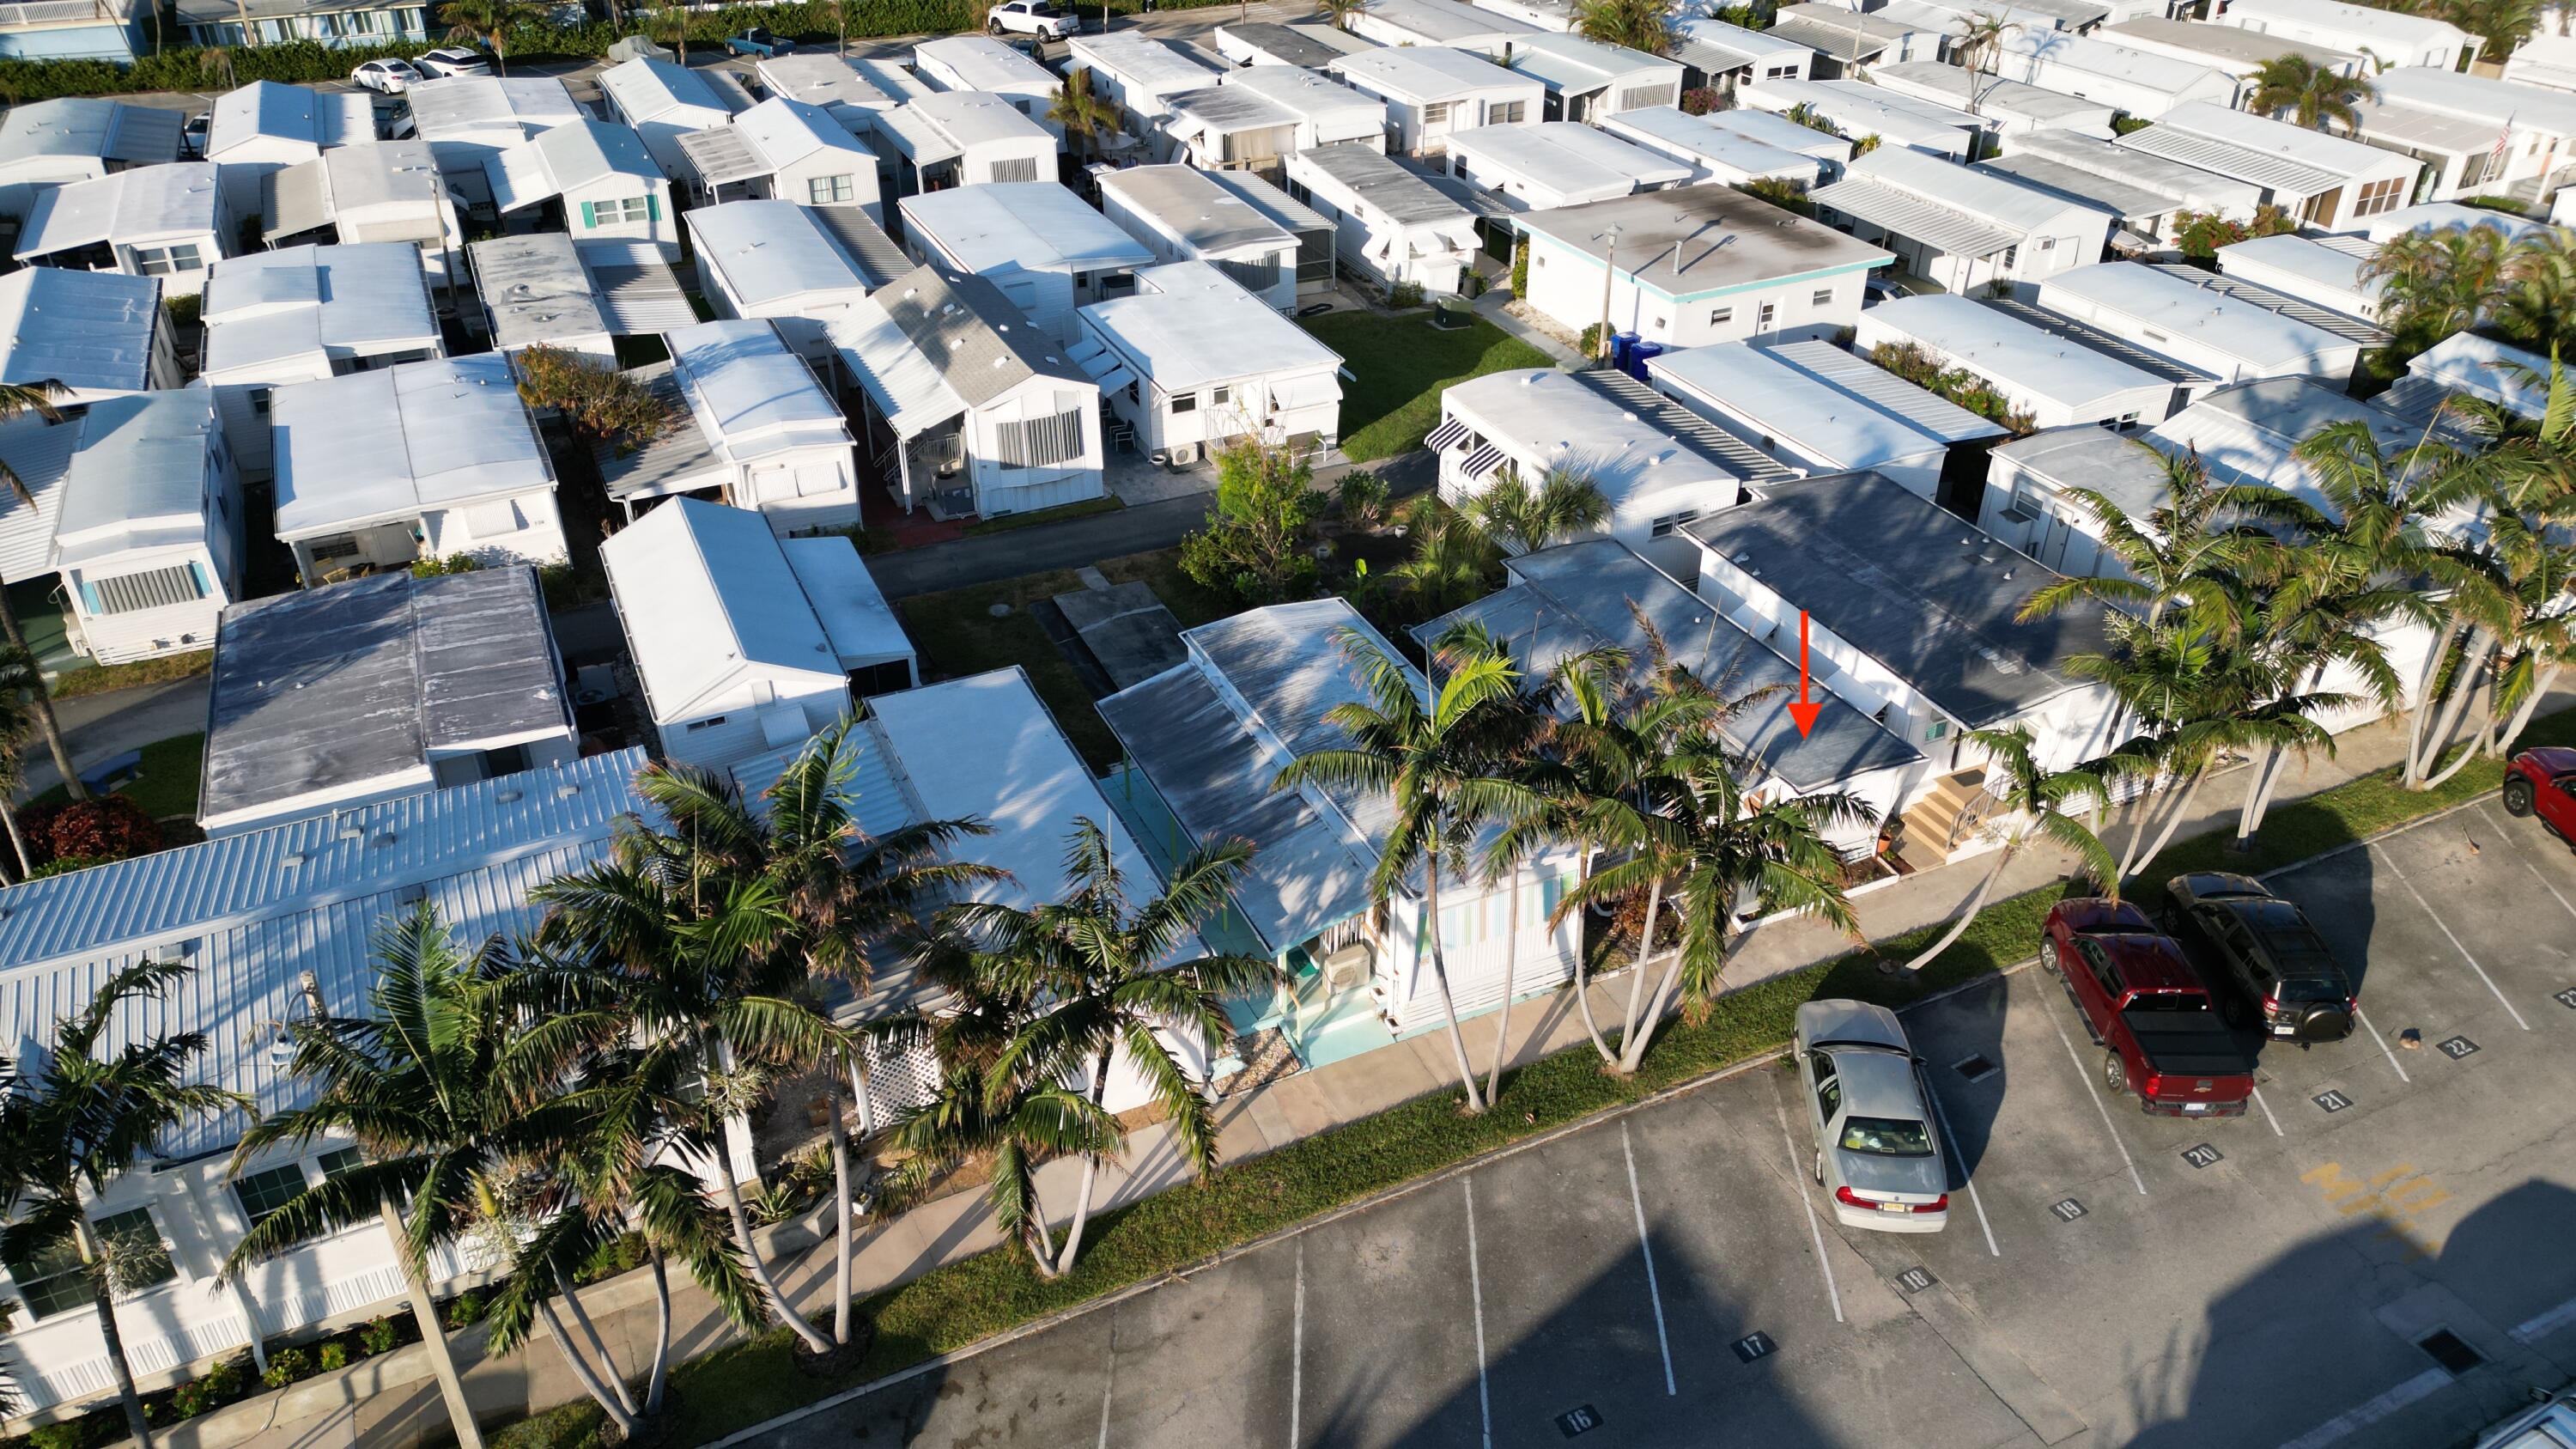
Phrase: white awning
pixel 519 177
pixel 904 384
pixel 1299 392
pixel 1098 364
pixel 1117 381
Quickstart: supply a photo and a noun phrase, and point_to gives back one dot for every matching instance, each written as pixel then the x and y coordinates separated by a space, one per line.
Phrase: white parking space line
pixel 2353 1421
pixel 1951 1139
pixel 2500 997
pixel 1297 1347
pixel 1815 1225
pixel 2535 871
pixel 2086 1078
pixel 2541 1324
pixel 1476 1287
pixel 1654 1294
pixel 1109 1386
pixel 2267 1112
pixel 2358 1015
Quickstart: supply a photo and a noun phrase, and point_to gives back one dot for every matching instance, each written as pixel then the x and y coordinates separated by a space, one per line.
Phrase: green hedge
pixel 304 62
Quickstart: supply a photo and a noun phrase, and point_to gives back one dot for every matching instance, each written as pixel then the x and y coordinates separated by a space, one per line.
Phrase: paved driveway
pixel 2282 1280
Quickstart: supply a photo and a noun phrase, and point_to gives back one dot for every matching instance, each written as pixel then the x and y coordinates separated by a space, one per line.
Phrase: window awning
pixel 1482 461
pixel 1304 392
pixel 1118 380
pixel 1445 434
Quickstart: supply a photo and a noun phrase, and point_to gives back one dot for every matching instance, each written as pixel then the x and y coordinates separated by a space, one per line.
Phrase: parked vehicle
pixel 1032 17
pixel 2542 782
pixel 2280 968
pixel 450 60
pixel 390 77
pixel 192 135
pixel 759 41
pixel 2161 1037
pixel 1878 1146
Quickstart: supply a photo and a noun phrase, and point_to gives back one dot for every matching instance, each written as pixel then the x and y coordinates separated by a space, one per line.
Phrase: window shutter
pixel 89 597
pixel 652 207
pixel 589 216
pixel 197 570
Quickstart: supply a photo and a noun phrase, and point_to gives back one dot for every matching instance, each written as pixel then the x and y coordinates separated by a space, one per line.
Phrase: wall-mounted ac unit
pixel 1184 454
pixel 1348 967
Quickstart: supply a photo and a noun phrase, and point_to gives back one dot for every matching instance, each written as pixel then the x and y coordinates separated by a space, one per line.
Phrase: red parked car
pixel 2542 782
pixel 2161 1037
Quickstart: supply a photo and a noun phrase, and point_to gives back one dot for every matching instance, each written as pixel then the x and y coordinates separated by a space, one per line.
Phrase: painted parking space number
pixel 2331 1100
pixel 2456 1047
pixel 2566 998
pixel 2202 1155
pixel 1915 1280
pixel 1582 1419
pixel 2067 1209
pixel 1755 1345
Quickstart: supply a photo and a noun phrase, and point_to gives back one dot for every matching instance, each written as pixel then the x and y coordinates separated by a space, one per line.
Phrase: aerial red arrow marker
pixel 1804 711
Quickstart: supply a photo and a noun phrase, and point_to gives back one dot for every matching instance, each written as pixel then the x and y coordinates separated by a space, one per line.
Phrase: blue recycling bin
pixel 1637 358
pixel 1623 345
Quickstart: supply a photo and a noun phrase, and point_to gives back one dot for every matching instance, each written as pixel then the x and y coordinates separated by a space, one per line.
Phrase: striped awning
pixel 1445 434
pixel 1482 461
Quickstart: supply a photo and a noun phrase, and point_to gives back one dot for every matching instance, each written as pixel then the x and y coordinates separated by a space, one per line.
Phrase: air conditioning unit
pixel 1184 454
pixel 1348 967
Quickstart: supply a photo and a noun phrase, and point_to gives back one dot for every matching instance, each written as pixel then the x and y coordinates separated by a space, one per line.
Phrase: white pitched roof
pixel 705 593
pixel 491 109
pixel 1021 225
pixel 567 158
pixel 310 300
pixel 751 395
pixel 1568 157
pixel 138 478
pixel 378 446
pixel 1189 325
pixel 2398 29
pixel 769 250
pixel 647 89
pixel 288 113
pixel 1428 72
pixel 89 331
pixel 38 452
pixel 143 204
pixel 2237 328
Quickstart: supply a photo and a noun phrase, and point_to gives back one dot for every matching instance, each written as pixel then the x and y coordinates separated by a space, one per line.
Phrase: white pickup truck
pixel 1032 17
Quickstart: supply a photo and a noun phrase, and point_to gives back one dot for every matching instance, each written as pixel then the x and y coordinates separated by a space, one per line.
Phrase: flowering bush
pixel 111 827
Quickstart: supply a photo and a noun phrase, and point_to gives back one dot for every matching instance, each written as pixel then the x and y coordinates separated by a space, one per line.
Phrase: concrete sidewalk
pixel 389 1401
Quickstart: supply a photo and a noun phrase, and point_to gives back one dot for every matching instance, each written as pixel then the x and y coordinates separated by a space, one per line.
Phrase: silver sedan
pixel 1878 1148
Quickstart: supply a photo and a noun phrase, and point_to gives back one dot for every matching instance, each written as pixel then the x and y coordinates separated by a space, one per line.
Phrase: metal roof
pixel 819 78
pixel 139 476
pixel 265 109
pixel 2219 316
pixel 1279 42
pixel 1590 594
pixel 945 125
pixel 1443 22
pixel 707 597
pixel 1573 65
pixel 39 453
pixel 1568 158
pixel 2251 433
pixel 1860 108
pixel 1400 195
pixel 721 154
pixel 855 615
pixel 89 331
pixel 1741 46
pixel 2092 341
pixel 567 158
pixel 2387 25
pixel 494 110
pixel 1914 588
pixel 141 204
pixel 2511 377
pixel 334 689
pixel 1308 96
pixel 546 287
pixel 85 126
pixel 1685 427
pixel 1189 325
pixel 1202 215
pixel 2331 264
pixel 380 446
pixel 1145 64
pixel 1728 155
pixel 2119 466
pixel 1903 213
pixel 2269 153
pixel 898 377
pixel 2022 347
pixel 749 391
pixel 1625 436
pixel 1698 240
pixel 681 458
pixel 1007 226
pixel 2416 129
pixel 2106 59
pixel 1430 72
pixel 254 912
pixel 1780 131
pixel 1843 37
pixel 1821 400
pixel 1283 210
pixel 649 89
pixel 2465 96
pixel 2323 319
pixel 1929 411
pixel 770 251
pixel 986 63
pixel 2227 43
pixel 2184 184
pixel 2129 203
pixel 1994 94
pixel 314 301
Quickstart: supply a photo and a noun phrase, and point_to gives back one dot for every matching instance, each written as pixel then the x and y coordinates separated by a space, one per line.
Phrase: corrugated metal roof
pixel 252 912
pixel 1905 214
pixel 706 592
pixel 2128 166
pixel 1686 427
pixel 301 114
pixel 2091 339
pixel 2272 170
pixel 139 475
pixel 2351 329
pixel 39 453
pixel 86 126
pixel 2129 203
pixel 89 331
pixel 679 459
pixel 636 288
pixel 141 204
pixel 721 154
pixel 1011 226
pixel 905 385
pixel 1929 411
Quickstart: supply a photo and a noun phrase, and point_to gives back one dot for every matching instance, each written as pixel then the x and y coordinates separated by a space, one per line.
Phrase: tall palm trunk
pixel 740 1216
pixel 1090 1175
pixel 591 1340
pixel 657 1383
pixel 2427 703
pixel 1632 1052
pixel 1637 984
pixel 840 1216
pixel 1582 977
pixel 609 1404
pixel 1968 912
pixel 2139 861
pixel 1511 971
pixel 2522 714
pixel 2464 687
pixel 43 703
pixel 433 1334
pixel 1440 979
pixel 17 842
pixel 103 1301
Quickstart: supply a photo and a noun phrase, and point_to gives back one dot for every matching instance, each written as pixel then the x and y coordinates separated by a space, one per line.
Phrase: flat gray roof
pixel 1204 215
pixel 2119 466
pixel 1405 197
pixel 1703 238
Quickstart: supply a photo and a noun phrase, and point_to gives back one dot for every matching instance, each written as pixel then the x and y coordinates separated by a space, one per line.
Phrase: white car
pixel 1878 1145
pixel 1031 17
pixel 451 60
pixel 392 77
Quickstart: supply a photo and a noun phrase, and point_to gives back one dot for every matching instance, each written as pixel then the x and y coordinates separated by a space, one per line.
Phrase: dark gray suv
pixel 2267 950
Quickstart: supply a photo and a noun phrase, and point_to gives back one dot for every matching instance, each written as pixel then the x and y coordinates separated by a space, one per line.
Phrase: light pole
pixel 1609 273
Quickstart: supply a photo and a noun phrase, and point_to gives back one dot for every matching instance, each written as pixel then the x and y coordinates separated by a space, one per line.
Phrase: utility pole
pixel 1609 274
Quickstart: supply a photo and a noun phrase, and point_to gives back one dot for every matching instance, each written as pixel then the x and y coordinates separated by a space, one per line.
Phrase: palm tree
pixel 1980 47
pixel 682 950
pixel 1101 972
pixel 1645 25
pixel 670 26
pixel 17 399
pixel 2499 25
pixel 1520 518
pixel 215 65
pixel 844 890
pixel 1085 114
pixel 489 21
pixel 415 1084
pixel 75 1119
pixel 2441 280
pixel 1719 851
pixel 2040 805
pixel 1423 749
pixel 2538 308
pixel 2313 94
pixel 1452 558
pixel 21 685
pixel 1339 13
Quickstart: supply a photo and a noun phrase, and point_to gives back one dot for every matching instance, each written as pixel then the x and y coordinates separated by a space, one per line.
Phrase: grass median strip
pixel 954 1306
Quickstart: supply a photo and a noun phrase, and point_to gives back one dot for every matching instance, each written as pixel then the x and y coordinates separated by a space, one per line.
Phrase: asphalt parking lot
pixel 2282 1280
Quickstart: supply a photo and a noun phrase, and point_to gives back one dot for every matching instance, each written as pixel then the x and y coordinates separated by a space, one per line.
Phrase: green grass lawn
pixel 955 1305
pixel 1402 364
pixel 168 784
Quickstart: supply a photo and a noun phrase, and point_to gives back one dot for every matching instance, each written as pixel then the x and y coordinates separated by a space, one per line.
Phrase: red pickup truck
pixel 2161 1037
pixel 2542 782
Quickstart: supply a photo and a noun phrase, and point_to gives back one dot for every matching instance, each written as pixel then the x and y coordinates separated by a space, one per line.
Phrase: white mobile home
pixel 1193 361
pixel 2389 37
pixel 1698 265
pixel 589 178
pixel 1818 421
pixel 2326 271
pixel 1962 226
pixel 853 91
pixel 544 287
pixel 963 138
pixel 1858 110
pixel 379 687
pixel 2030 503
pixel 1182 215
pixel 1388 223
pixel 728 643
pixel 1725 56
pixel 2055 381
pixel 2011 108
pixel 1139 74
pixel 2465 364
pixel 2325 181
pixel 2544 60
pixel 1210 734
pixel 376 469
pixel 2477 135
pixel 1037 241
pixel 2229 49
pixel 469 119
pixel 149 539
pixel 45 144
pixel 94 334
pixel 1712 154
pixel 786 150
pixel 168 222
pixel 1431 91
pixel 387 192
pixel 753 429
pixel 302 313
pixel 663 100
pixel 1841 42
pixel 2228 337
pixel 1659 464
pixel 1559 163
pixel 1396 24
pixel 973 409
pixel 1260 42
pixel 1779 132
pixel 2118 174
pixel 265 127
pixel 1259 115
pixel 987 65
pixel 2139 83
pixel 800 266
pixel 1587 80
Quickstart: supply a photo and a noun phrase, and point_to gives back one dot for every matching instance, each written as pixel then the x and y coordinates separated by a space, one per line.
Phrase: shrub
pixel 1520 268
pixel 2122 123
pixel 286 1366
pixel 1781 192
pixel 78 1433
pixel 208 1391
pixel 2200 234
pixel 599 401
pixel 1700 100
pixel 381 1335
pixel 1589 344
pixel 36 827
pixel 466 1309
pixel 334 1356
pixel 1362 498
pixel 65 865
pixel 1404 295
pixel 110 827
pixel 455 563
